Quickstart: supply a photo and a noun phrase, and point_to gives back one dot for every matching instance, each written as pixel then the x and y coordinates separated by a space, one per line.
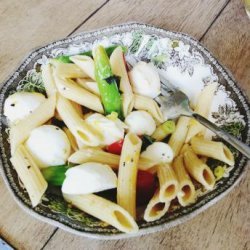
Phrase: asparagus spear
pixel 107 82
pixel 109 50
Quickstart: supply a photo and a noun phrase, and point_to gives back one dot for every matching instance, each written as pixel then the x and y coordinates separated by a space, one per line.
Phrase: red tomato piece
pixel 116 147
pixel 145 188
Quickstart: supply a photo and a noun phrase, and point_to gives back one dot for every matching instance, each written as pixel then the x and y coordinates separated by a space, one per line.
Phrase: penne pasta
pixel 78 127
pixel 70 90
pixel 127 103
pixel 30 174
pixel 71 138
pixel 177 139
pixel 203 107
pixel 104 210
pixel 89 85
pixel 87 154
pixel 85 63
pixel 127 173
pixel 149 105
pixel 212 149
pixel 156 208
pixel 78 108
pixel 186 194
pixel 21 131
pixel 48 80
pixel 168 182
pixel 118 67
pixel 199 170
pixel 67 70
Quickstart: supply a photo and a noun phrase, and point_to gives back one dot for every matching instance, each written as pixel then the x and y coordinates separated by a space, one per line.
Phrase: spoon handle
pixel 243 148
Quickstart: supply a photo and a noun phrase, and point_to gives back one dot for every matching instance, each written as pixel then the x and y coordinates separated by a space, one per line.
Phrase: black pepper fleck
pixel 123 164
pixel 12 104
pixel 28 166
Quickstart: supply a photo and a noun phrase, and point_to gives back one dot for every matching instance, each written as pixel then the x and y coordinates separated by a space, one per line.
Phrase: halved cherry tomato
pixel 145 188
pixel 115 148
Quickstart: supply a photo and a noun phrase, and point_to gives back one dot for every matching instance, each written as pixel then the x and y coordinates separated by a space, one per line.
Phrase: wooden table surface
pixel 221 25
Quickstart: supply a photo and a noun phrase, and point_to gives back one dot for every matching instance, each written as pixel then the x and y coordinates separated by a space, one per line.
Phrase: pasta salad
pixel 98 128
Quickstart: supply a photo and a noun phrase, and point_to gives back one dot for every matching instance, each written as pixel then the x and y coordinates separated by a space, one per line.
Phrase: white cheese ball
pixel 87 178
pixel 111 130
pixel 140 123
pixel 145 79
pixel 48 145
pixel 158 152
pixel 20 104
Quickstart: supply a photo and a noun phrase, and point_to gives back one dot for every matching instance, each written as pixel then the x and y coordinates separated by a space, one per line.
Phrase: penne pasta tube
pixel 104 210
pixel 212 149
pixel 168 182
pixel 21 131
pixel 89 84
pixel 77 126
pixel 118 67
pixel 48 80
pixel 156 208
pixel 70 90
pixel 30 174
pixel 199 170
pixel 78 108
pixel 127 173
pixel 67 70
pixel 85 63
pixel 149 105
pixel 71 138
pixel 127 103
pixel 186 194
pixel 177 139
pixel 97 155
pixel 202 107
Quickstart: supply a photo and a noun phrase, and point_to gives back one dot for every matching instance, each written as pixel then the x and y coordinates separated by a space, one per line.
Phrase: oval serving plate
pixel 188 65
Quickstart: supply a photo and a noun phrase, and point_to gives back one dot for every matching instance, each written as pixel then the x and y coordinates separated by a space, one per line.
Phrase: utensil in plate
pixel 174 103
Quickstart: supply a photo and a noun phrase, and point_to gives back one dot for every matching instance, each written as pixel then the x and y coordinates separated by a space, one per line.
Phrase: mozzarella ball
pixel 48 145
pixel 140 123
pixel 87 178
pixel 21 104
pixel 145 79
pixel 158 152
pixel 111 130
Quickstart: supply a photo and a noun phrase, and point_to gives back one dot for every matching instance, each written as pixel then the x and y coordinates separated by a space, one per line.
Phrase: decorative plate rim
pixel 154 228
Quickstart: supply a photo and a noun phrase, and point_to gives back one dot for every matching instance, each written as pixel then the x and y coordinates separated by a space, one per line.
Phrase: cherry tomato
pixel 116 147
pixel 145 188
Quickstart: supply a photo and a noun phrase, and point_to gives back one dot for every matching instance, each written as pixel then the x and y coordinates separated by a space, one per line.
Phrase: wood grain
pixel 193 16
pixel 27 24
pixel 19 228
pixel 229 40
